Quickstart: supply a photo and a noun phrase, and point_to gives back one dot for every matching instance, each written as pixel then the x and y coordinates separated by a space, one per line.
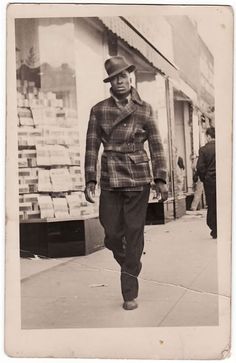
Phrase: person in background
pixel 180 175
pixel 122 123
pixel 206 169
pixel 198 185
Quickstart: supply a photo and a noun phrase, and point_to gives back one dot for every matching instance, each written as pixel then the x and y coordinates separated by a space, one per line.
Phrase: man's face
pixel 121 83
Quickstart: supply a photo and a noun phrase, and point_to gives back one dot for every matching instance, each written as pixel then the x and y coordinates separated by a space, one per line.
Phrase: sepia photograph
pixel 117 162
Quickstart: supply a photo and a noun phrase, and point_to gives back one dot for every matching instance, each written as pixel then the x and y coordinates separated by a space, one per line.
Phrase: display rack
pixel 51 184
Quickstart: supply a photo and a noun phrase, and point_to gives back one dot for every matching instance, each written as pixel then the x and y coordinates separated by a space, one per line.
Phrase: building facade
pixel 193 96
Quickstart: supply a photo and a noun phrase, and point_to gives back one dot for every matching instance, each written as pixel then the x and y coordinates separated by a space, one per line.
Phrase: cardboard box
pixel 22 162
pixel 59 155
pixel 26 121
pixel 45 206
pixel 21 198
pixel 23 112
pixel 61 180
pixel 74 204
pixel 60 207
pixel 23 188
pixel 24 172
pixel 25 206
pixel 33 215
pixel 43 155
pixel 30 198
pixel 44 181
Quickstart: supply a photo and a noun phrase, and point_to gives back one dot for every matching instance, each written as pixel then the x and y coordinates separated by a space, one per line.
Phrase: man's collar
pixel 133 95
pixel 117 100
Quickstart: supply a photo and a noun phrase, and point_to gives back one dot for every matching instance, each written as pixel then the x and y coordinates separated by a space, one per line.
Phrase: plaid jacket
pixel 123 132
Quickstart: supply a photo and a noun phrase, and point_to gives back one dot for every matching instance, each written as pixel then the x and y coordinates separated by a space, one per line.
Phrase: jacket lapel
pixel 120 115
pixel 128 110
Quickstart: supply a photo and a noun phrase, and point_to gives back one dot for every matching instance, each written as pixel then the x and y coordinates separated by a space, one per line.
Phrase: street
pixel 178 283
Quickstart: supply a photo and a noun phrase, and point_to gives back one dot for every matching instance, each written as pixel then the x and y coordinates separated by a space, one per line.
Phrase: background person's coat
pixel 123 132
pixel 206 164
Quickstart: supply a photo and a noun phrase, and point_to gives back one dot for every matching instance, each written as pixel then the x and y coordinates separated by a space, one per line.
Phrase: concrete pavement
pixel 178 283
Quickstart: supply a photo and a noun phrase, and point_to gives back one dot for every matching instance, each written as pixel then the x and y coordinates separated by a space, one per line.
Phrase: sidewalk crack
pixel 161 283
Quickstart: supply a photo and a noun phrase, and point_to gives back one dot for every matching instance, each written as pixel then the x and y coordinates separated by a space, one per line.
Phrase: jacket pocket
pixel 139 158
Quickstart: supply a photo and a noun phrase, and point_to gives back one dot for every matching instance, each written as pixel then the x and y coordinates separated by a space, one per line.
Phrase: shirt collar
pixel 133 95
pixel 117 100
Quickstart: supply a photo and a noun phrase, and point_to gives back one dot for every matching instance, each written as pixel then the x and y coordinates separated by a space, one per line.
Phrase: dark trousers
pixel 123 214
pixel 210 192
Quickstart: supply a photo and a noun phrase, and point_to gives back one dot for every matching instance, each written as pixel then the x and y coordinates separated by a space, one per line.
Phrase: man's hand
pixel 161 188
pixel 90 192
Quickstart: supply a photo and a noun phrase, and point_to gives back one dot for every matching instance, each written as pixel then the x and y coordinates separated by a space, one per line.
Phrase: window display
pixel 51 182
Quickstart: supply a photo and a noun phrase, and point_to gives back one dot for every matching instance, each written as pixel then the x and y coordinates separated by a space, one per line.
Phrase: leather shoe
pixel 130 305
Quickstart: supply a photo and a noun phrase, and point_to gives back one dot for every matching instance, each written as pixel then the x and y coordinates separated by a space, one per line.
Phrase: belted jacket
pixel 124 161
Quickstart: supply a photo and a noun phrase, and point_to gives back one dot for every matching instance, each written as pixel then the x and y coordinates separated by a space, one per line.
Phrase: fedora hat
pixel 116 65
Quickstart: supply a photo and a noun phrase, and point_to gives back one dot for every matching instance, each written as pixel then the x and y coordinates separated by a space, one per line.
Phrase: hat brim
pixel 130 69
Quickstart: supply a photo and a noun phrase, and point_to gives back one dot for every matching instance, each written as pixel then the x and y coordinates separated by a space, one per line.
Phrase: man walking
pixel 206 169
pixel 122 123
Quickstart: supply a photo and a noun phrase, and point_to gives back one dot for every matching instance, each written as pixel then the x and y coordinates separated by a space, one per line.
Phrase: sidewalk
pixel 178 284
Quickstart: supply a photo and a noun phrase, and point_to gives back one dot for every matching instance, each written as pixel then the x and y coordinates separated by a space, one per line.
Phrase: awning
pixel 185 91
pixel 136 40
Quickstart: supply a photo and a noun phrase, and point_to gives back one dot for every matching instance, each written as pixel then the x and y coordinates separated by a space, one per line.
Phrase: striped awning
pixel 124 30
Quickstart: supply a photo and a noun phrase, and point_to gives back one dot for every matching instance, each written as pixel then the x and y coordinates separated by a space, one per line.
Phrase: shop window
pixel 45 63
pixel 51 181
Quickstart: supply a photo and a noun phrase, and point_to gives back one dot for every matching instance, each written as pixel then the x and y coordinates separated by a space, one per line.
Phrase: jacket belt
pixel 124 148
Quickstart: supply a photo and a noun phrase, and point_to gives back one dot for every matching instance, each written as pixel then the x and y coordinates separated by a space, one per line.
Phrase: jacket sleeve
pixel 93 142
pixel 201 165
pixel 158 159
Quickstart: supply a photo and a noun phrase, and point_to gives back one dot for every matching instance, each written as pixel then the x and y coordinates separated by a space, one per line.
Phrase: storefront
pixel 60 67
pixel 55 219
